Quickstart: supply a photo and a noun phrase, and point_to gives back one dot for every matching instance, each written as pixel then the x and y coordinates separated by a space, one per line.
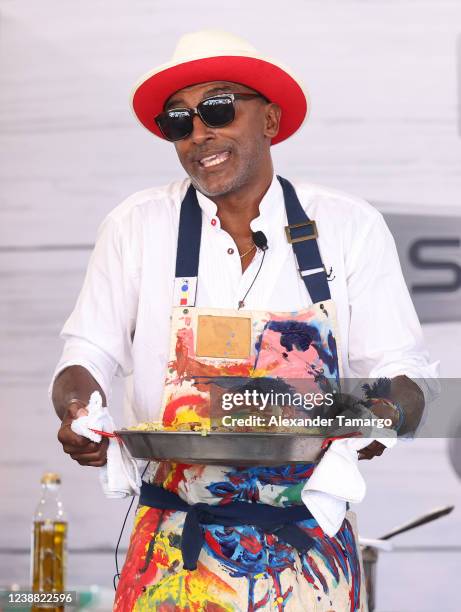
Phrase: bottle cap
pixel 51 478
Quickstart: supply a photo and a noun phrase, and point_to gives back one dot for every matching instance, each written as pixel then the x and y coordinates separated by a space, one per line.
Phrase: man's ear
pixel 272 120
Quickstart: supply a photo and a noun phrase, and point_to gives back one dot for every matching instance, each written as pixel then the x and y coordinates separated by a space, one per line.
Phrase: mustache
pixel 206 151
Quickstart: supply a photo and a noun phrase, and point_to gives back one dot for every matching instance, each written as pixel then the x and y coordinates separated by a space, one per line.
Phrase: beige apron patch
pixel 223 337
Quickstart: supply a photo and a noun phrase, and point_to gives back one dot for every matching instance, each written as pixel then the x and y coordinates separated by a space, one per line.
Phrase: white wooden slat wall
pixel 384 78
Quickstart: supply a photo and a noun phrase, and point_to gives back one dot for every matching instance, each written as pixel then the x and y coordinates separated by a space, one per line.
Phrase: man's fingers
pixel 375 449
pixel 87 457
pixel 72 442
pixel 87 447
pixel 96 463
pixel 95 451
pixel 68 438
pixel 82 450
pixel 95 458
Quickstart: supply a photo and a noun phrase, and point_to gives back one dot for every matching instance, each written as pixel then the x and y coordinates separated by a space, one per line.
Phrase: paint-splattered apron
pixel 241 568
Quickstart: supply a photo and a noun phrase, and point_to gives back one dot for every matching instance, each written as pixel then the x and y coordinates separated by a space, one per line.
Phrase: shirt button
pixel 213 222
pixel 230 251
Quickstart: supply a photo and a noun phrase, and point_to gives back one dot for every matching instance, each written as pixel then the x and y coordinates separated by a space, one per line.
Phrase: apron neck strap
pixel 190 231
pixel 188 250
pixel 301 233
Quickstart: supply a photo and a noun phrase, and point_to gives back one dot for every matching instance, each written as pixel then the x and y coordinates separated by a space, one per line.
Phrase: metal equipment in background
pixel 371 548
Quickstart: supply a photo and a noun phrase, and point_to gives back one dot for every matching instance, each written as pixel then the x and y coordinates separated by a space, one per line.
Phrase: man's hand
pixel 375 449
pixel 72 383
pixel 382 409
pixel 78 447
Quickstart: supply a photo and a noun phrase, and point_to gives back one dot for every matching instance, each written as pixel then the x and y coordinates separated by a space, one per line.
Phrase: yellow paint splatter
pixel 186 415
pixel 139 515
pixel 189 591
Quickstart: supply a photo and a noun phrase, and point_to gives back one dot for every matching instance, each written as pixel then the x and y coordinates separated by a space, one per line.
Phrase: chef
pixel 236 240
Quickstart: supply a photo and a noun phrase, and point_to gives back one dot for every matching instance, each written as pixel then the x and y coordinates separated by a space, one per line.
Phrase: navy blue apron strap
pixel 281 521
pixel 188 250
pixel 302 234
pixel 189 234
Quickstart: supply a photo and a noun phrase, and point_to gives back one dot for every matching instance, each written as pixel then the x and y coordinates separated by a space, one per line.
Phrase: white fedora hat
pixel 214 55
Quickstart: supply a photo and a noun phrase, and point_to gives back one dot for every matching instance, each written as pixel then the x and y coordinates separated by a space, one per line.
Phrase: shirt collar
pixel 271 218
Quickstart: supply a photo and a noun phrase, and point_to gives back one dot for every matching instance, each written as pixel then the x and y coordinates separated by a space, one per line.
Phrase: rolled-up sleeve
pixel 385 337
pixel 98 333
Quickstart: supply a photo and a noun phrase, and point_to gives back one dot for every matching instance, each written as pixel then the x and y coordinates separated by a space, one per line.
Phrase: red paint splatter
pixel 252 606
pixel 251 543
pixel 213 544
pixel 173 406
pixel 132 580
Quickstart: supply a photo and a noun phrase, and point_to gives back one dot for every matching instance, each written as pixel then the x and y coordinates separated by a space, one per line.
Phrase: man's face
pixel 241 147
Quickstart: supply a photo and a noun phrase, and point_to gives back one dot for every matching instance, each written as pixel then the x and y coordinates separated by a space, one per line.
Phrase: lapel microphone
pixel 260 240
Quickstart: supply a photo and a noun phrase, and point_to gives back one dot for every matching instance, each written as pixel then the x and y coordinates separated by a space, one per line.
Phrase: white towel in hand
pixel 337 480
pixel 120 476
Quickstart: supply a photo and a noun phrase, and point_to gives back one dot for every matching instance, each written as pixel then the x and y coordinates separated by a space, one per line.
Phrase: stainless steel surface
pixel 222 448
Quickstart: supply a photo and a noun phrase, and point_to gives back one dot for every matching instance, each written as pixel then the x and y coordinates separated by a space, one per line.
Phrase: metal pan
pixel 222 448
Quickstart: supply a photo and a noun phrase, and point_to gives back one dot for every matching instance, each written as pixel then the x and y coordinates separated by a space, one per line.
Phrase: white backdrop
pixel 384 81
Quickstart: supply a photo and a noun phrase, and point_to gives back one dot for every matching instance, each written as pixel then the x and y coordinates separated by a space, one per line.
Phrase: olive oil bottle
pixel 49 542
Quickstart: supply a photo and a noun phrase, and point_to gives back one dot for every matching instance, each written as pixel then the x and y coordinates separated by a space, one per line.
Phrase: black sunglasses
pixel 215 112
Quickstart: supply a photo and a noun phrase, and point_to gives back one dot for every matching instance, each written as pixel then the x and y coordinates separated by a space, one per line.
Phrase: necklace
pixel 247 252
pixel 241 303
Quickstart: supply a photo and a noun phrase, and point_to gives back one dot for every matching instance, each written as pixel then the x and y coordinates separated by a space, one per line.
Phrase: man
pixel 224 106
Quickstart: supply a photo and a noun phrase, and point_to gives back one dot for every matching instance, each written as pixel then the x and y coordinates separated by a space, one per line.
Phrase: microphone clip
pixel 260 240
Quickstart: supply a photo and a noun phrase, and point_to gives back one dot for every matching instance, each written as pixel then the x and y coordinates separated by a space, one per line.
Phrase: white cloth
pixel 337 480
pixel 121 322
pixel 120 476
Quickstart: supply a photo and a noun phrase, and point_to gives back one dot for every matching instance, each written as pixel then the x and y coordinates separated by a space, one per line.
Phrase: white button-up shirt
pixel 121 322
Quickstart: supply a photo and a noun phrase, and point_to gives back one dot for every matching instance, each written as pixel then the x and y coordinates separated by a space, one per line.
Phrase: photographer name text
pixel 279 421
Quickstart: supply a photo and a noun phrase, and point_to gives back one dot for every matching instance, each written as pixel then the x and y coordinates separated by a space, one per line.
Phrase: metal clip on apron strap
pixel 301 233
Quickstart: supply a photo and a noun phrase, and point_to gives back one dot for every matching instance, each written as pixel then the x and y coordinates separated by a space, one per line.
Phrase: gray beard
pixel 234 184
pixel 229 188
